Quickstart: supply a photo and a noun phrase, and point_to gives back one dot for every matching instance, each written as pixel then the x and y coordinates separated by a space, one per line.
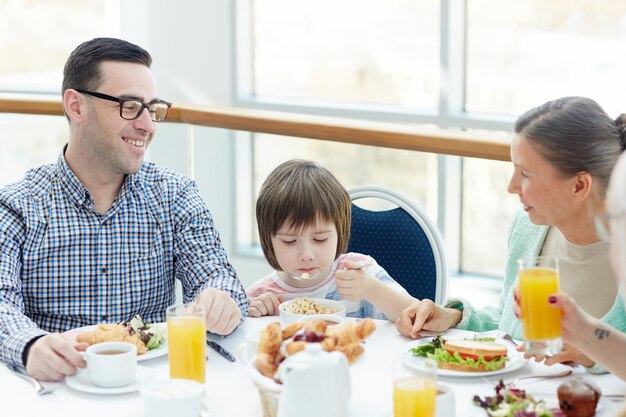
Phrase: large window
pixel 525 52
pixel 366 51
pixel 36 37
pixel 472 64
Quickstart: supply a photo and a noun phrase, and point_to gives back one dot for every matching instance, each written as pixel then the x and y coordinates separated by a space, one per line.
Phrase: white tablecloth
pixel 231 393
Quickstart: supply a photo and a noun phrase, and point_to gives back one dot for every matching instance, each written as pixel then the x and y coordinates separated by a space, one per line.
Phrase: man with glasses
pixel 101 235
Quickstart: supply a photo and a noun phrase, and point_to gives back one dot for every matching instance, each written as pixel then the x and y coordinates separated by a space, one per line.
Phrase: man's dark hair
pixel 82 69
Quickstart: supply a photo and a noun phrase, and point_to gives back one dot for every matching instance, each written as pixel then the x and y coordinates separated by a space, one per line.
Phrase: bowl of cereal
pixel 293 310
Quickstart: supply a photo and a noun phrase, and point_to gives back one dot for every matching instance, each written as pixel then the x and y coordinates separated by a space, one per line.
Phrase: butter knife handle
pixel 219 349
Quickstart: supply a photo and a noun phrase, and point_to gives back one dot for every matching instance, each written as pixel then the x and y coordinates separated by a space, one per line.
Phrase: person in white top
pixel 303 215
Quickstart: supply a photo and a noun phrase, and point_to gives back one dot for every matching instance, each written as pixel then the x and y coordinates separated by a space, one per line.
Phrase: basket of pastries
pixel 276 343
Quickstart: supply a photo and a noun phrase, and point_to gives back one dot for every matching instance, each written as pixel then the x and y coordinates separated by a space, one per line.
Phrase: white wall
pixel 191 45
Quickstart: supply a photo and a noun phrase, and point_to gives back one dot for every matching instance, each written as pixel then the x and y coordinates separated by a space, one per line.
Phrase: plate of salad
pixel 510 401
pixel 153 335
pixel 499 356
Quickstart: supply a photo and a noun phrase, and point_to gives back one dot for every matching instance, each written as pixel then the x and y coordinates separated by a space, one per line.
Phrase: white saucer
pixel 81 382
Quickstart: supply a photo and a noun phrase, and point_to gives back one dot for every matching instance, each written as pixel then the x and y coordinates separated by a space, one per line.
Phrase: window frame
pixel 451 113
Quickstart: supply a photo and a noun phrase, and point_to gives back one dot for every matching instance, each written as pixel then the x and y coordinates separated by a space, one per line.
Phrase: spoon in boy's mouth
pixel 305 276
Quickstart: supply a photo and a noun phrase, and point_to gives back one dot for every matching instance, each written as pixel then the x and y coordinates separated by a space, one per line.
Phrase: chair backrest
pixel 402 240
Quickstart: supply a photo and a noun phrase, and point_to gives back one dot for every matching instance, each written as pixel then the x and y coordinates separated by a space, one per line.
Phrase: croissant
pixel 328 344
pixel 86 338
pixel 315 326
pixel 351 332
pixel 295 347
pixel 265 364
pixel 111 333
pixel 291 329
pixel 135 340
pixel 344 338
pixel 352 351
pixel 270 339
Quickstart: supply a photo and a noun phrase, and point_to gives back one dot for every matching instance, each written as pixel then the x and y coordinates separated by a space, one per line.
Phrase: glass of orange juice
pixel 539 278
pixel 414 388
pixel 186 341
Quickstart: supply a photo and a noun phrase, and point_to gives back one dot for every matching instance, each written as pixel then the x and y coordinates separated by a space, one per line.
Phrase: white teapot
pixel 315 383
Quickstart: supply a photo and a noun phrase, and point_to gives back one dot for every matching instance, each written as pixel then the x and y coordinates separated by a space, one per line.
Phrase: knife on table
pixel 219 349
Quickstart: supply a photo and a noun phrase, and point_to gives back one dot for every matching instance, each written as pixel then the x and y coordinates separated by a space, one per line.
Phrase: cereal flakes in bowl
pixel 293 310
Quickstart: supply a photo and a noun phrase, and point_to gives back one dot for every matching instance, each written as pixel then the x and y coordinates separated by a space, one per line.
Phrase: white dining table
pixel 231 393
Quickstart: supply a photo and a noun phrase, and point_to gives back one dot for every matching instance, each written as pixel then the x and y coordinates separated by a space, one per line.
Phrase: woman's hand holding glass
pixel 573 321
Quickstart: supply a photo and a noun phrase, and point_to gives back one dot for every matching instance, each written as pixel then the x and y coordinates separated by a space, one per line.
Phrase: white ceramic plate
pixel 81 382
pixel 515 362
pixel 151 354
pixel 604 407
pixel 203 413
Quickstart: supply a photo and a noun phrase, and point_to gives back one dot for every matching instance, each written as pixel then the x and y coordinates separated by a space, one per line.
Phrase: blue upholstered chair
pixel 403 240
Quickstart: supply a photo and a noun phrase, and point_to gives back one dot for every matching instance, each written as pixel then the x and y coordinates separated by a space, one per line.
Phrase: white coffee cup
pixel 172 397
pixel 445 406
pixel 248 349
pixel 111 364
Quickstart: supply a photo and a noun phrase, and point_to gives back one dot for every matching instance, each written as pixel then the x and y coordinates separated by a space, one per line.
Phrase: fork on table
pixel 562 374
pixel 39 389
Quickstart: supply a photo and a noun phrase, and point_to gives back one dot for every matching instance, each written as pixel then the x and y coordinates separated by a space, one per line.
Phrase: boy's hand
pixel 264 305
pixel 353 281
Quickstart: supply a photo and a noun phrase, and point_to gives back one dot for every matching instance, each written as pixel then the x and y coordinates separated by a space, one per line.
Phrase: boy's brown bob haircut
pixel 301 192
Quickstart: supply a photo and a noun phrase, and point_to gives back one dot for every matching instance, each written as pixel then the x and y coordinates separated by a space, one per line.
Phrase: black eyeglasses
pixel 131 109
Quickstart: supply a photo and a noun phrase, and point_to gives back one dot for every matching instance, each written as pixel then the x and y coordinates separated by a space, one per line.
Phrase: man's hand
pixel 353 281
pixel 426 315
pixel 264 305
pixel 222 312
pixel 53 356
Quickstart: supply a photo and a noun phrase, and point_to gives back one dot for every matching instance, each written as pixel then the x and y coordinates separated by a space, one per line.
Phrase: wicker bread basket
pixel 269 390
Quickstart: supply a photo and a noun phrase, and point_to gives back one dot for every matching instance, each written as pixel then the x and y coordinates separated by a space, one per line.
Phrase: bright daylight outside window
pixel 36 38
pixel 544 50
pixel 389 55
pixel 365 51
pixel 519 55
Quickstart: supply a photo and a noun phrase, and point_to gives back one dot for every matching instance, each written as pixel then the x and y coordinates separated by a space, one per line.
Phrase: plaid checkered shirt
pixel 64 265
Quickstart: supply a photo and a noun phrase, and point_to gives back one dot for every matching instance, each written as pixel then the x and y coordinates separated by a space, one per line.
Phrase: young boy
pixel 303 214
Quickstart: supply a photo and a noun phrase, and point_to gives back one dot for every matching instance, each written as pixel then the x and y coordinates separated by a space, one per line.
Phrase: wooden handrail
pixel 388 135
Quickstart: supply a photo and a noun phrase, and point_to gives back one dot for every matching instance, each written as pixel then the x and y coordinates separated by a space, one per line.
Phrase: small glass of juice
pixel 414 388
